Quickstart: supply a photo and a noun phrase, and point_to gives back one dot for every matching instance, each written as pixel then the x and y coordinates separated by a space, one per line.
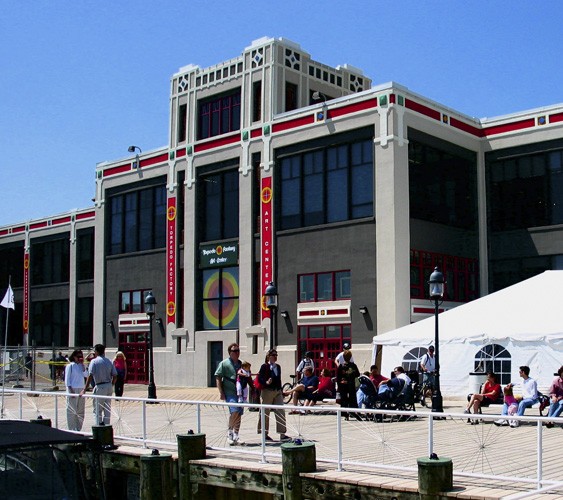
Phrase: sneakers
pixel 514 423
pixel 230 437
pixel 268 438
pixel 467 412
pixel 284 438
pixel 500 422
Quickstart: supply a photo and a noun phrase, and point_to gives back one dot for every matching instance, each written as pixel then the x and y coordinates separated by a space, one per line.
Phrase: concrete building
pixel 280 168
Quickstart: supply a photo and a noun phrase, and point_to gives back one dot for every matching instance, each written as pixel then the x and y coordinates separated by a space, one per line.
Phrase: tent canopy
pixel 526 319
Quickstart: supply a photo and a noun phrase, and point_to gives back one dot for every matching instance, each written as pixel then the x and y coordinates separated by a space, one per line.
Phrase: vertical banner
pixel 26 258
pixel 266 209
pixel 171 261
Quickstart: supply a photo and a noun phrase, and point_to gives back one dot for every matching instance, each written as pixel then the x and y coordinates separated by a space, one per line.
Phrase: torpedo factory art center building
pixel 282 169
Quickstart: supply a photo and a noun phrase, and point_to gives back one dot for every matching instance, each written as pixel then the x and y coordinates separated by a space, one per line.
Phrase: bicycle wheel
pixel 286 388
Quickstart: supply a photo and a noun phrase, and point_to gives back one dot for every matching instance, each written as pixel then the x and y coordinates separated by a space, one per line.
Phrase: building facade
pixel 280 168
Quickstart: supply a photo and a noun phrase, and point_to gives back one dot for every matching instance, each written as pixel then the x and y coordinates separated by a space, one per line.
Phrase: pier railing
pixel 377 439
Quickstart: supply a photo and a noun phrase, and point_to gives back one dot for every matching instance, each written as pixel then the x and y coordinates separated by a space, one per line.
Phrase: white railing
pixel 383 439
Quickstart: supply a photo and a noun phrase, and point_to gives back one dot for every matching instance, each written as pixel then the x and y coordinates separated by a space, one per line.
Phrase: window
pixel 507 272
pixel 84 321
pixel 442 182
pixel 494 358
pixel 461 275
pixel 11 264
pixel 290 96
pixel 50 323
pixel 412 359
pixel 219 115
pixel 85 254
pixel 327 185
pixel 219 204
pixel 51 261
pixel 324 286
pixel 182 122
pixel 525 191
pixel 138 220
pixel 132 301
pixel 220 298
pixel 257 101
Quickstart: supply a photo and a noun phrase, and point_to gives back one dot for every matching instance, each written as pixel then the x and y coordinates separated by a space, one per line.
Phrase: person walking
pixel 226 379
pixel 75 374
pixel 104 374
pixel 120 364
pixel 269 378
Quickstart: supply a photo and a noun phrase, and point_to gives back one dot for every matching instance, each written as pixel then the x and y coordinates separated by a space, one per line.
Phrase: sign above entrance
pixel 218 255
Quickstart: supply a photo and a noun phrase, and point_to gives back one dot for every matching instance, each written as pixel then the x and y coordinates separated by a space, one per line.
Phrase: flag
pixel 8 300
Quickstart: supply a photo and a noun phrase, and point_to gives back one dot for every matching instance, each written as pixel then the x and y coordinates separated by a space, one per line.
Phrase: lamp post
pixel 436 283
pixel 150 306
pixel 271 294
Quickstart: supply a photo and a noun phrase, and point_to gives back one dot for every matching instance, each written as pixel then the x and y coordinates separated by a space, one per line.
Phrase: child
pixel 511 402
pixel 244 378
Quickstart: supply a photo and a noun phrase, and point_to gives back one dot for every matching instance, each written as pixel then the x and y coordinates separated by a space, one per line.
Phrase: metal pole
pixel 437 403
pixel 152 386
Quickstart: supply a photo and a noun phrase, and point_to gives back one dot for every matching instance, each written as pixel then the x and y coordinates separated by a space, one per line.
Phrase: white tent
pixel 525 319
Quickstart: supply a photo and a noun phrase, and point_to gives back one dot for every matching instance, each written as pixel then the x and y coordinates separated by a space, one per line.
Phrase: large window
pixel 525 190
pixel 84 321
pixel 442 182
pixel 11 264
pixel 219 205
pixel 317 287
pixel 85 254
pixel 327 185
pixel 507 272
pixel 220 298
pixel 50 261
pixel 49 323
pixel 138 220
pixel 461 275
pixel 494 358
pixel 219 115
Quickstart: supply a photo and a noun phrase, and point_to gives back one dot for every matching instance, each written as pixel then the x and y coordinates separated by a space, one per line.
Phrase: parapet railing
pixel 378 439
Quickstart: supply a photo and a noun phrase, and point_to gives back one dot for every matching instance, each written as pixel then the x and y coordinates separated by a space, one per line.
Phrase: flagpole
pixel 5 348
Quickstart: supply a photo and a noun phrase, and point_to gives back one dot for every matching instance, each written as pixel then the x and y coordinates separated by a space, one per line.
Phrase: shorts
pixel 234 409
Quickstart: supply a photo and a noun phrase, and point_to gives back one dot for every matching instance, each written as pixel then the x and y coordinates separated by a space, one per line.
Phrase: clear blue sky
pixel 81 80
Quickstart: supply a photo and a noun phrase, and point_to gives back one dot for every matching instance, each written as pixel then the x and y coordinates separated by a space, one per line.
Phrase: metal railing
pixel 380 439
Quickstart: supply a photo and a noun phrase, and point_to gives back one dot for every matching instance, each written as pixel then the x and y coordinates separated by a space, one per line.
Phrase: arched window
pixel 411 361
pixel 495 358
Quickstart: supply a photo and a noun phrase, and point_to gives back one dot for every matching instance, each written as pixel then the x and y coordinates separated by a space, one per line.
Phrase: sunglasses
pixel 235 350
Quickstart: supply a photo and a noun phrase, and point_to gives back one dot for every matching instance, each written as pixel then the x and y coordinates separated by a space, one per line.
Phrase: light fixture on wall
pixel 318 96
pixel 363 309
pixel 284 314
pixel 132 149
pixel 111 326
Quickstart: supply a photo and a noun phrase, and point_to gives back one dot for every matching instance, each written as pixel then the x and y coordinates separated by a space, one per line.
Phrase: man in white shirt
pixel 428 366
pixel 340 358
pixel 103 372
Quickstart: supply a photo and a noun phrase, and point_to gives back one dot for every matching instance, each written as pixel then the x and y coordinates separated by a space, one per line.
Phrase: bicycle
pixel 427 388
pixel 288 386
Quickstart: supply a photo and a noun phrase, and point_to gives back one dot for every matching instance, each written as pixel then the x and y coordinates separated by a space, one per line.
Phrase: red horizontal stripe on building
pixel 117 170
pixel 61 220
pixel 557 117
pixel 217 143
pixel 422 109
pixel 352 108
pixel 296 122
pixel 510 127
pixel 257 132
pixel 126 321
pixel 336 311
pixel 19 229
pixel 425 310
pixel 86 215
pixel 3 232
pixel 37 225
pixel 308 313
pixel 181 152
pixel 147 162
pixel 470 129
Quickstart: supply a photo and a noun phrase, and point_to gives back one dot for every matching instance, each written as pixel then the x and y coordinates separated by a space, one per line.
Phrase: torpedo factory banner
pixel 219 264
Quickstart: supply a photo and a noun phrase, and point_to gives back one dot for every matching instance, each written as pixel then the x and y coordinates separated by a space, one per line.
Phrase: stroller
pixel 397 397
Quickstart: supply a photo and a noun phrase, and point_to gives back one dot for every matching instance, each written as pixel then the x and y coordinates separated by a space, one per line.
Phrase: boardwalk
pixel 475 449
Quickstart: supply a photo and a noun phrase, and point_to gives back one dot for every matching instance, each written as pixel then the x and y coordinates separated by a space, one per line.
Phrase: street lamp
pixel 271 294
pixel 150 306
pixel 436 283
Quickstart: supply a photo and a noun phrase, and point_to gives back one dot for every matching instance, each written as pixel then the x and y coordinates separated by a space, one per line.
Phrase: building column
pixel 392 225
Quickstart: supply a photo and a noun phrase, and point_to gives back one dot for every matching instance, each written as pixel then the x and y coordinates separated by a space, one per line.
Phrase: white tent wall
pixel 526 319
